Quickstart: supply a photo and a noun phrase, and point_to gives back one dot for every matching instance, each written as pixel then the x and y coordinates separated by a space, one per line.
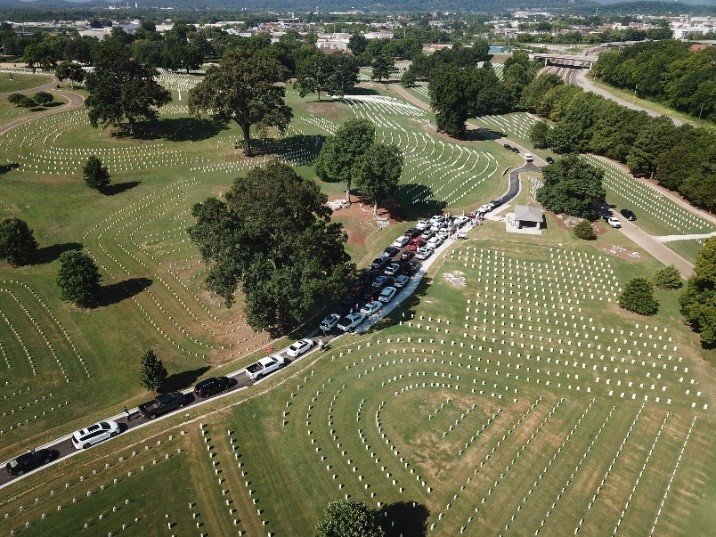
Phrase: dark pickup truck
pixel 164 403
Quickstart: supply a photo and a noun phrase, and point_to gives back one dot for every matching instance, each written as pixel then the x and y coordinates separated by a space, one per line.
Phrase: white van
pixel 529 157
pixel 94 434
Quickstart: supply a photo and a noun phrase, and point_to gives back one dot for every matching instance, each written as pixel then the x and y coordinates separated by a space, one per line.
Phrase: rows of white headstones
pixel 121 225
pixel 430 162
pixel 572 476
pixel 640 475
pixel 644 352
pixel 507 434
pixel 611 466
pixel 642 197
pixel 387 105
pixel 421 88
pixel 490 420
pixel 179 82
pixel 506 472
pixel 459 420
pixel 671 477
pixel 317 121
pixel 34 414
pixel 55 498
pixel 41 130
pixel 221 477
pixel 402 66
pixel 546 469
pixel 374 457
pixel 515 125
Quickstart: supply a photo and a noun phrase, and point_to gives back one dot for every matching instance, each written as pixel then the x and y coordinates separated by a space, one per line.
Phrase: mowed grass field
pixel 62 367
pixel 511 396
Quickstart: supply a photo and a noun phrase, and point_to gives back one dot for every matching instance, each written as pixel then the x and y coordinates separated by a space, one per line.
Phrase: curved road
pixel 74 101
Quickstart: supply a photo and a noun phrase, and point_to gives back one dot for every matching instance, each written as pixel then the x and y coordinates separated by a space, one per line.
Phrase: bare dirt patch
pixel 456 278
pixel 359 221
pixel 333 110
pixel 621 253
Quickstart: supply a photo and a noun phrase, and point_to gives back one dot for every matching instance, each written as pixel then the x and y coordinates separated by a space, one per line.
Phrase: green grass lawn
pixel 21 82
pixel 494 404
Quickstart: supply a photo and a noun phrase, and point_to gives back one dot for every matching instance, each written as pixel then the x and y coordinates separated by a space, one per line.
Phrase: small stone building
pixel 528 216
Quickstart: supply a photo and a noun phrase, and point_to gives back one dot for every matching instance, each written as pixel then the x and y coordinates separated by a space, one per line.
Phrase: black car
pixel 163 404
pixel 412 233
pixel 406 256
pixel 607 215
pixel 629 215
pixel 496 203
pixel 379 263
pixel 507 146
pixel 211 386
pixel 391 251
pixel 30 460
pixel 549 160
pixel 515 149
pixel 411 268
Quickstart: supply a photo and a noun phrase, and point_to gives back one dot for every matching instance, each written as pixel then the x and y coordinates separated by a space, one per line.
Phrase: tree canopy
pixel 379 172
pixel 271 236
pixel 340 157
pixel 120 88
pixel 246 87
pixel 573 187
pixel 382 67
pixel 95 174
pixel 78 278
pixel 638 296
pixel 698 300
pixel 152 372
pixel 319 73
pixel 348 519
pixel 17 242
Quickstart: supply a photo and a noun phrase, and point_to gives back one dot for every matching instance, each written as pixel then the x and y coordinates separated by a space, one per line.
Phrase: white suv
pixel 614 222
pixel 94 434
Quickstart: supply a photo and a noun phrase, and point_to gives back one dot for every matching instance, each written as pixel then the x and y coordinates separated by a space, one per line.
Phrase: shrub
pixel 584 230
pixel 638 296
pixel 21 100
pixel 668 278
pixel 96 175
pixel 42 98
pixel 152 373
pixel 78 278
pixel 17 243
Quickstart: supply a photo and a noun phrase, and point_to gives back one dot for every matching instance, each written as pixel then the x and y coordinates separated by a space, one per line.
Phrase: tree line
pixel 682 159
pixel 666 71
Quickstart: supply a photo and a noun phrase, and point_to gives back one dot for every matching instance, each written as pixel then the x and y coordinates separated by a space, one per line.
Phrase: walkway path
pixel 654 247
pixel 74 100
pixel 691 237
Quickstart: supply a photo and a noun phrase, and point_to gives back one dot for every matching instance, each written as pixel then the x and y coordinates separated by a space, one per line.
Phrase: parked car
pixel 443 234
pixel 515 149
pixel 379 263
pixel 495 203
pixel 371 307
pixel 437 218
pixel 628 214
pixel 380 282
pixel 422 224
pixel 411 268
pixel 265 366
pixel 94 434
pixel 486 208
pixel 529 157
pixel 211 386
pixel 426 235
pixel 412 233
pixel 423 253
pixel 614 222
pixel 299 347
pixel 406 256
pixel 351 321
pixel 329 322
pixel 549 160
pixel 391 252
pixel 162 404
pixel 401 281
pixel 460 221
pixel 393 269
pixel 30 461
pixel 507 146
pixel 400 241
pixel 387 294
pixel 415 244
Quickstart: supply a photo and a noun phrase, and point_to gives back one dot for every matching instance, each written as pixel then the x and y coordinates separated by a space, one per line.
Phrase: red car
pixel 415 243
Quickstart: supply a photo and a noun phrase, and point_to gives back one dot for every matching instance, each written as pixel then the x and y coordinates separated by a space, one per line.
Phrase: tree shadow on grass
pixel 424 205
pixel 185 379
pixel 481 134
pixel 301 149
pixel 117 292
pixel 5 168
pixel 118 188
pixel 404 518
pixel 362 91
pixel 48 254
pixel 180 129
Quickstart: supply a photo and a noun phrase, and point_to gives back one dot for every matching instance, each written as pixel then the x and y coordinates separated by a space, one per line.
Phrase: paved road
pixel 656 248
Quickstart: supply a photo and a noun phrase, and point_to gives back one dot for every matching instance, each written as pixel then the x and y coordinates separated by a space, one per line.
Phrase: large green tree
pixel 17 242
pixel 348 519
pixel 320 73
pixel 247 87
pixel 382 67
pixel 379 172
pixel 120 88
pixel 698 300
pixel 78 278
pixel 96 175
pixel 152 372
pixel 68 70
pixel 271 236
pixel 638 296
pixel 449 99
pixel 573 187
pixel 657 137
pixel 340 157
